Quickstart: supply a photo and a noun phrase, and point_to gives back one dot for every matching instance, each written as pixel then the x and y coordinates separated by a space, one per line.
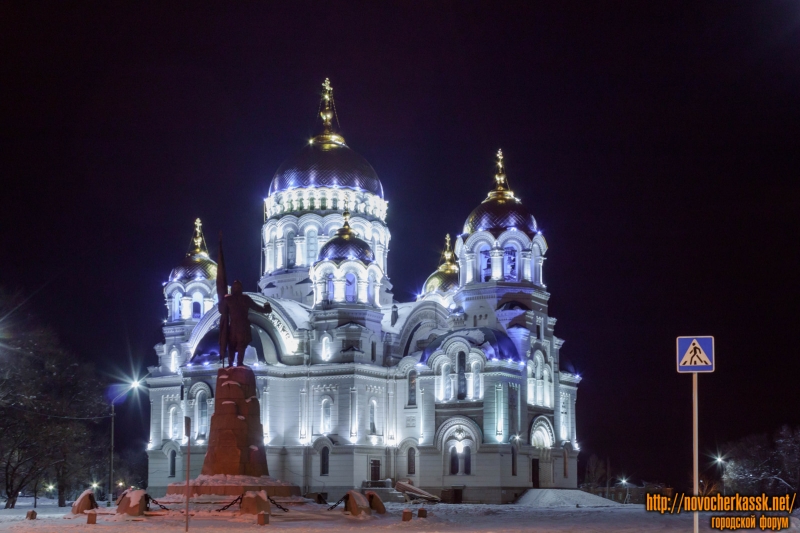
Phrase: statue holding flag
pixel 234 326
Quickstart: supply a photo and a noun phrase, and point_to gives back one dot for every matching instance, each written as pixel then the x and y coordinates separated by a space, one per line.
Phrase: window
pixel 453 461
pixel 374 352
pixel 172 461
pixel 176 306
pixel 412 461
pixel 467 460
pixel 566 464
pixel 447 387
pixel 373 406
pixel 476 380
pixel 173 360
pixel 462 377
pixel 510 264
pixel 290 250
pixel 513 417
pixel 202 414
pixel 326 348
pixel 350 287
pixel 330 288
pixel 513 461
pixel 174 423
pixel 311 246
pixel 412 387
pixel 326 416
pixel 196 310
pixel 324 461
pixel 486 264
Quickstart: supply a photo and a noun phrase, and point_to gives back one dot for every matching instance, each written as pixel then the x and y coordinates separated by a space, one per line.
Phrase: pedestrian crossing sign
pixel 695 354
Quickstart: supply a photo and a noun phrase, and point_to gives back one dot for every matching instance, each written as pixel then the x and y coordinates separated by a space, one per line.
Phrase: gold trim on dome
pixel 501 190
pixel 448 265
pixel 198 240
pixel 327 139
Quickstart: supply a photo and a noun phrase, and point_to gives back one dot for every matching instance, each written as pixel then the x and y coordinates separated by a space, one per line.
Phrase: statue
pixel 234 326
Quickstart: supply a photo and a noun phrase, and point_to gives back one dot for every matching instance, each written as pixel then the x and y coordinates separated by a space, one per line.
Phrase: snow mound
pixel 563 498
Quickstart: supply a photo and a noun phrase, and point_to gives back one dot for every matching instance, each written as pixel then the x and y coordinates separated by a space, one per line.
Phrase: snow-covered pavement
pixel 311 518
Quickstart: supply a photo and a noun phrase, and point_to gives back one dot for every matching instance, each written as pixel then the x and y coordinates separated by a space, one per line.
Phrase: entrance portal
pixel 535 473
pixel 375 470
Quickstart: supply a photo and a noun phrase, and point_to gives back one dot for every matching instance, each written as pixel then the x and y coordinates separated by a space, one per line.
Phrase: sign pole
pixel 695 446
pixel 187 422
pixel 695 354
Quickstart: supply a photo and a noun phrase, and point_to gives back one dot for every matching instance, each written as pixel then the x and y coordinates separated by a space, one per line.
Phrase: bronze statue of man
pixel 233 309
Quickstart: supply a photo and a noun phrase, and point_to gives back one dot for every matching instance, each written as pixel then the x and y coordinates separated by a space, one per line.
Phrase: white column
pixel 421 413
pixel 265 412
pixel 539 270
pixel 280 253
pixel 362 291
pixel 300 254
pixel 469 267
pixel 496 255
pixel 526 265
pixel 338 290
pixel 303 410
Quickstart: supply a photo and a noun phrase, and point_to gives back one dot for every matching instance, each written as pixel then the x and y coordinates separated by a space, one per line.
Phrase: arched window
pixel 476 380
pixel 485 264
pixel 290 250
pixel 172 461
pixel 197 311
pixel 373 407
pixel 510 272
pixel 311 246
pixel 412 387
pixel 467 460
pixel 173 360
pixel 547 388
pixel 350 287
pixel 326 348
pixel 202 414
pixel 174 423
pixel 326 416
pixel 453 461
pixel 513 461
pixel 461 365
pixel 176 306
pixel 330 290
pixel 324 461
pixel 447 387
pixel 412 461
pixel 566 464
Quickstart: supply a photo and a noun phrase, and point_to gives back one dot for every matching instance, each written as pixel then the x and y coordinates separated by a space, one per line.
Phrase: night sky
pixel 657 145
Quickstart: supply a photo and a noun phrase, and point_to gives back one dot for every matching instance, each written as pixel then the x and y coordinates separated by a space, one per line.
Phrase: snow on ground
pixel 312 518
pixel 563 498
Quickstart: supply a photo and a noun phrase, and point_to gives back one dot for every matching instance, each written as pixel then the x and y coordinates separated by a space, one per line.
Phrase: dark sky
pixel 657 145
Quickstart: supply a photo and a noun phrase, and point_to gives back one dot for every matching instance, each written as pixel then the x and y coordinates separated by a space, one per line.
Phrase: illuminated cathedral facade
pixel 460 390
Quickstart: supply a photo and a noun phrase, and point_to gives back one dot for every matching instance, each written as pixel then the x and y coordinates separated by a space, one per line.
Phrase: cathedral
pixel 459 392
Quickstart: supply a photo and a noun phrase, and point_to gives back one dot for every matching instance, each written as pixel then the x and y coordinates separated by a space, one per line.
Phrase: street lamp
pixel 134 385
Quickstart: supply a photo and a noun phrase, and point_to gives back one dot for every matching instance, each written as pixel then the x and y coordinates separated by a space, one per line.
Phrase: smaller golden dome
pixel 197 265
pixel 446 276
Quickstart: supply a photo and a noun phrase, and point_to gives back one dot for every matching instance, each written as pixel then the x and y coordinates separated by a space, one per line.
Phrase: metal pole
pixel 111 460
pixel 187 427
pixel 694 446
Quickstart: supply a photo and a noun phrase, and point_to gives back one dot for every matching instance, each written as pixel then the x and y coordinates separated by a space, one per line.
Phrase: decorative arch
pixel 453 424
pixel 542 434
pixel 426 316
pixel 321 442
pixel 200 386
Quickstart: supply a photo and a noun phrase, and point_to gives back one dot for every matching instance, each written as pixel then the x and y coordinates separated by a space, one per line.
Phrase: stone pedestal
pixel 236 436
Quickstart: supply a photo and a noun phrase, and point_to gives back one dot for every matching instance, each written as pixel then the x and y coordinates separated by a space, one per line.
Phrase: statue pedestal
pixel 236 461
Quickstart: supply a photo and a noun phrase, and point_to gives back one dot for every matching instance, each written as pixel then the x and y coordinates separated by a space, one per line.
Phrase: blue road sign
pixel 695 354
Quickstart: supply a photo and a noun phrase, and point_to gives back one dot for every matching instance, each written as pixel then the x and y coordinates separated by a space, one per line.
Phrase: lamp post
pixel 133 385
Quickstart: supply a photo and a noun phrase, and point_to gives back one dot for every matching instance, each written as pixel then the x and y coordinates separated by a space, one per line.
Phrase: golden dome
pixel 501 210
pixel 197 264
pixel 446 276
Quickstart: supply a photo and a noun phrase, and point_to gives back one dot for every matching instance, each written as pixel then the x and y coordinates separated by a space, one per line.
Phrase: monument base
pixel 228 485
